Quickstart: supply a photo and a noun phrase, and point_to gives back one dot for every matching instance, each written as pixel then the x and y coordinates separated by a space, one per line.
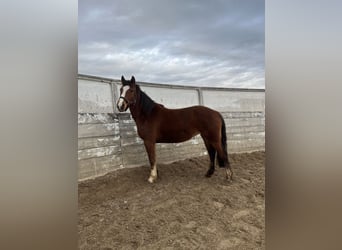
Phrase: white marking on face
pixel 121 101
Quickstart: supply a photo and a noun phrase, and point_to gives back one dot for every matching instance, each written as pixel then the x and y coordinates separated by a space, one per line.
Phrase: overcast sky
pixel 191 42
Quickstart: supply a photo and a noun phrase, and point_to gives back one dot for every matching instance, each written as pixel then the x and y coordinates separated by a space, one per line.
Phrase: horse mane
pixel 146 103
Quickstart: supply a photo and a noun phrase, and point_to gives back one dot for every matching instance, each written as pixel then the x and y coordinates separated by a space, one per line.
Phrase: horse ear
pixel 133 80
pixel 122 79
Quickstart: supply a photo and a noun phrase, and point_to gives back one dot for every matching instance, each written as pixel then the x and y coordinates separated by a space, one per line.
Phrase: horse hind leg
pixel 212 153
pixel 223 161
pixel 228 168
pixel 222 157
pixel 229 173
pixel 226 164
pixel 211 170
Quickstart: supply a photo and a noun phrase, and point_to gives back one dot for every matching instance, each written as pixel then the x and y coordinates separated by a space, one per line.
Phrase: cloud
pixel 203 43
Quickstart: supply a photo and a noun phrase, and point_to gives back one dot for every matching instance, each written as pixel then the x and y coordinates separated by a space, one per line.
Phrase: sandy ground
pixel 182 210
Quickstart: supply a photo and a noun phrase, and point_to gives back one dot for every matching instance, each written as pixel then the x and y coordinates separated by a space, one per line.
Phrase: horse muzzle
pixel 122 104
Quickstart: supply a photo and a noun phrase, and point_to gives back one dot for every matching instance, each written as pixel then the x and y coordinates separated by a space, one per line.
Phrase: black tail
pixel 223 162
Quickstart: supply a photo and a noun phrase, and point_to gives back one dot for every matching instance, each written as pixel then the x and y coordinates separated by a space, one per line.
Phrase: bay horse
pixel 157 124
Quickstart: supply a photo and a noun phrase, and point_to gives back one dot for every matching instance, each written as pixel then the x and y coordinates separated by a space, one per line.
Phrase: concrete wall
pixel 108 140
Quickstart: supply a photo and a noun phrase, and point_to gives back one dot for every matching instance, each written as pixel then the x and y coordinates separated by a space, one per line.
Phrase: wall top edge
pixel 159 85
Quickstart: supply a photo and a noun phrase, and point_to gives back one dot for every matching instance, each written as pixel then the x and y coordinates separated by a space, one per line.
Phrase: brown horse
pixel 157 124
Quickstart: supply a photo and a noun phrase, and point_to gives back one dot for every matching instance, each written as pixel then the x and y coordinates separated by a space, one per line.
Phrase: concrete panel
pixel 98 152
pixel 98 142
pixel 96 130
pixel 234 100
pixel 93 167
pixel 94 97
pixel 173 98
pixel 88 118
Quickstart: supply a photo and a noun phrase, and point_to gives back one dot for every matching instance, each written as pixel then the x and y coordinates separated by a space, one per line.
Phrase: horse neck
pixel 136 109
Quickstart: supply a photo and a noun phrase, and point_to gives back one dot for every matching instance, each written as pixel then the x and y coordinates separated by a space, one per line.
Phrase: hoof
pixel 229 174
pixel 209 173
pixel 152 179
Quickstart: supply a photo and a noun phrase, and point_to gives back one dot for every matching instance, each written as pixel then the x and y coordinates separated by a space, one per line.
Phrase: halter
pixel 128 103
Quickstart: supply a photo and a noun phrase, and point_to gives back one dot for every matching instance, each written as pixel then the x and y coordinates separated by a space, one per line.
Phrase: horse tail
pixel 223 160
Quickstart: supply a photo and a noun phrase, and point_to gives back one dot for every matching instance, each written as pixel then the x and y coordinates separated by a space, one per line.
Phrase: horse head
pixel 128 94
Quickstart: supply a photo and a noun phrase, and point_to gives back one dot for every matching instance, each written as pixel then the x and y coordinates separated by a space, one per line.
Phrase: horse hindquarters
pixel 215 139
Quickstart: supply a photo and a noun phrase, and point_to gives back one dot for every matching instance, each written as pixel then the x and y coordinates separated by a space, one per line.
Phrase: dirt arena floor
pixel 182 210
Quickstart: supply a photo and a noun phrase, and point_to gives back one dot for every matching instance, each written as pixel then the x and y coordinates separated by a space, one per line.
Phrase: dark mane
pixel 147 104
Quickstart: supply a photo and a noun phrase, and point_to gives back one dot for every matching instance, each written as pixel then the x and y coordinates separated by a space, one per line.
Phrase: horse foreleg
pixel 151 152
pixel 153 174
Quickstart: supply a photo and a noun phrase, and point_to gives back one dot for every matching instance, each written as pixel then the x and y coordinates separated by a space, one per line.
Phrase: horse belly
pixel 176 136
pixel 178 126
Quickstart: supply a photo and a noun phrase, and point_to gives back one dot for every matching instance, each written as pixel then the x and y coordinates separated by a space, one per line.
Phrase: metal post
pixel 115 96
pixel 200 96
